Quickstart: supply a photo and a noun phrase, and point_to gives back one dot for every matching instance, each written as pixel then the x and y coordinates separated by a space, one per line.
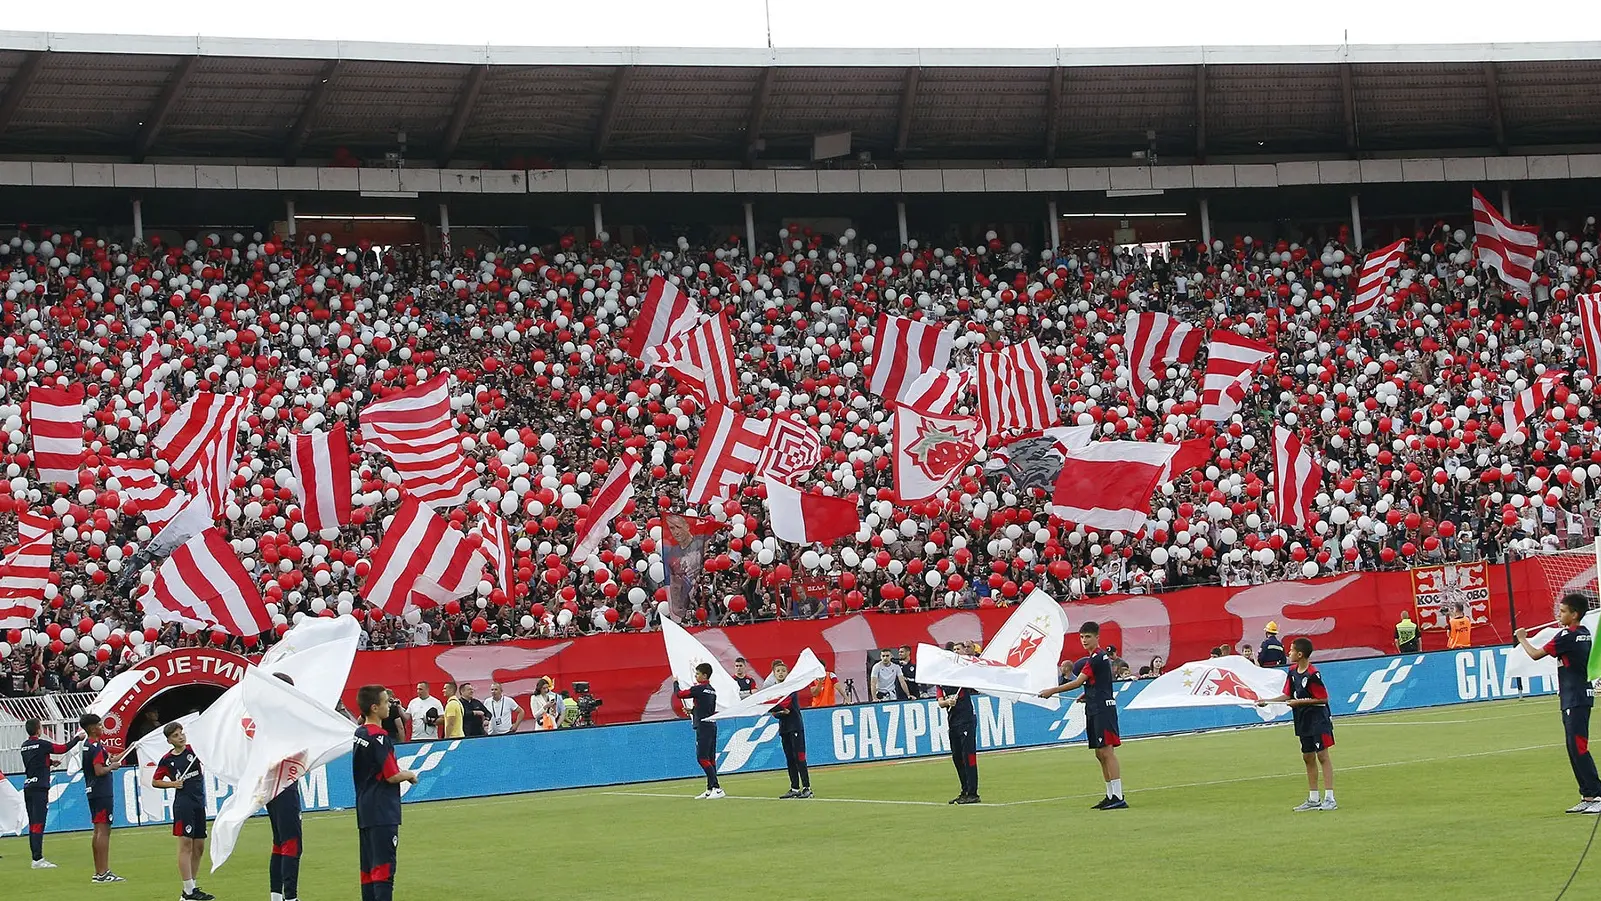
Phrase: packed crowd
pixel 1403 410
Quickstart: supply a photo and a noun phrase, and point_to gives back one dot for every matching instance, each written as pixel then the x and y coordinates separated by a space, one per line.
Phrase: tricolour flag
pixel 204 584
pixel 1108 484
pixel 803 518
pixel 320 462
pixel 904 349
pixel 930 451
pixel 55 425
pixel 1508 249
pixel 664 313
pixel 1232 362
pixel 1377 268
pixel 1156 339
pixel 605 505
pixel 1295 479
pixel 1218 682
pixel 421 554
pixel 1014 389
pixel 807 669
pixel 413 428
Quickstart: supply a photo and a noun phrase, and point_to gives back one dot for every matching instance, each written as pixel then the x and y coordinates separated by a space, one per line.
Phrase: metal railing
pixel 57 712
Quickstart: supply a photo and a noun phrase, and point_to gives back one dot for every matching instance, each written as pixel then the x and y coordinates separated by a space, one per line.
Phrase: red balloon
pixel 737 604
pixel 637 621
pixel 480 625
pixel 538 611
pixel 102 654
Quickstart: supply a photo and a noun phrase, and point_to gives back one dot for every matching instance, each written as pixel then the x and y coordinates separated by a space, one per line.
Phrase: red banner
pixel 1346 616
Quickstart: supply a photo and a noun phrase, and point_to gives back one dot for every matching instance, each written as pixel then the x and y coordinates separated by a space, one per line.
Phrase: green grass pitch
pixel 1458 802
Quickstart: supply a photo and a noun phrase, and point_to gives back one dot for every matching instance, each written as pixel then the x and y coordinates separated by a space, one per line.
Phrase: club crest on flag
pixel 1213 682
pixel 248 725
pixel 1027 643
pixel 940 450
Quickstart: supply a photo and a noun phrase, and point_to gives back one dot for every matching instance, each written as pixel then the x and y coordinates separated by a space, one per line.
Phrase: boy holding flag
pixel 1308 699
pixel 36 754
pixel 179 769
pixel 703 699
pixel 1100 713
pixel 377 777
pixel 1573 647
pixel 792 735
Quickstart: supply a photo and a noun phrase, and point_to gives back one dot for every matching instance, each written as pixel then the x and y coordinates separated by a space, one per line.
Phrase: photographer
pixel 423 715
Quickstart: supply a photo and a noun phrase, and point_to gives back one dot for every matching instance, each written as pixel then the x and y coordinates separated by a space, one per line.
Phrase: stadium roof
pixel 133 97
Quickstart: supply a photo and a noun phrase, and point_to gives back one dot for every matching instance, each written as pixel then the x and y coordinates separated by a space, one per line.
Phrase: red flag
pixel 421 553
pixel 1508 249
pixel 1108 484
pixel 55 425
pixel 1232 362
pixel 1153 339
pixel 1014 389
pixel 904 349
pixel 802 518
pixel 204 583
pixel 1375 273
pixel 413 428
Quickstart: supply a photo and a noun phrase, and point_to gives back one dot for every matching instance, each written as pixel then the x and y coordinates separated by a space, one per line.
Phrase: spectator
pixel 1157 665
pixel 390 723
pixel 545 707
pixel 1248 652
pixel 423 715
pixel 822 690
pixel 504 713
pixel 1271 653
pixel 908 671
pixel 743 678
pixel 451 719
pixel 1408 637
pixel 474 715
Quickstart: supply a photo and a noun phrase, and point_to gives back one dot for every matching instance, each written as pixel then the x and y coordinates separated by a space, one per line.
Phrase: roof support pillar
pixel 903 128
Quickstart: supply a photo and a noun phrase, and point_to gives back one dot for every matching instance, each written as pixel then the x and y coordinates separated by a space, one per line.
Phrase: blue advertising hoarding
pixel 644 752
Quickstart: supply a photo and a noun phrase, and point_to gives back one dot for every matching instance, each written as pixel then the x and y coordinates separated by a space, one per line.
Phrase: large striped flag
pixel 730 446
pixel 703 357
pixel 1108 484
pixel 55 422
pixel 1508 249
pixel 664 312
pixel 151 384
pixel 1515 413
pixel 413 428
pixel 1014 389
pixel 904 349
pixel 496 540
pixel 1590 329
pixel 204 584
pixel 25 571
pixel 320 462
pixel 1232 362
pixel 1295 479
pixel 421 554
pixel 605 505
pixel 939 392
pixel 201 440
pixel 1156 339
pixel 138 484
pixel 1377 268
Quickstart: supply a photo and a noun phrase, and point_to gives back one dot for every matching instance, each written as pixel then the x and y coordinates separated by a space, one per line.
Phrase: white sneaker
pixel 43 865
pixel 704 795
pixel 715 793
pixel 1308 805
pixel 1594 808
pixel 1328 804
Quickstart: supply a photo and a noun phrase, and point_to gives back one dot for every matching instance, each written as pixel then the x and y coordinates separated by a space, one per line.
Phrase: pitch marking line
pixel 684 797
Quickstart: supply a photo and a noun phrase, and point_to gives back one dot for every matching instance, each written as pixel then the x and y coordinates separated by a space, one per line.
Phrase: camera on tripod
pixel 587 704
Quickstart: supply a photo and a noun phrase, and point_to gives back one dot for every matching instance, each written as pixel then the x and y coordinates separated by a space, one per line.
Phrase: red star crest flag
pixel 930 451
pixel 1018 663
pixel 1217 682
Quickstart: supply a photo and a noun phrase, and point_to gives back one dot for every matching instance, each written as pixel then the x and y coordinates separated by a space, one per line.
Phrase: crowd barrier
pixel 642 752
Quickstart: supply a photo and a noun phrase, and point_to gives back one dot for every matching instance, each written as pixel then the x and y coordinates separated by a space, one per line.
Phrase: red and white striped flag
pixel 664 312
pixel 730 446
pixel 1232 363
pixel 1590 329
pixel 931 451
pixel 939 392
pixel 55 422
pixel 1014 389
pixel 1508 249
pixel 201 441
pixel 1295 479
pixel 1377 269
pixel 1156 339
pixel 1515 414
pixel 496 540
pixel 1108 484
pixel 605 505
pixel 25 571
pixel 203 583
pixel 320 462
pixel 793 449
pixel 803 518
pixel 413 428
pixel 703 357
pixel 138 484
pixel 421 553
pixel 151 385
pixel 904 349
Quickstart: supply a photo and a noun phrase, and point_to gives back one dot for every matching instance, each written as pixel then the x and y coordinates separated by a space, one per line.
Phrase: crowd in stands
pixel 1404 411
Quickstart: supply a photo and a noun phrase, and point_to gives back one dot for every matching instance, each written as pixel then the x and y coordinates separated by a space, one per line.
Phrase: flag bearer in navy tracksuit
pixel 36 754
pixel 962 723
pixel 179 769
pixel 703 699
pixel 98 765
pixel 1308 698
pixel 283 812
pixel 792 735
pixel 1100 713
pixel 377 777
pixel 1571 647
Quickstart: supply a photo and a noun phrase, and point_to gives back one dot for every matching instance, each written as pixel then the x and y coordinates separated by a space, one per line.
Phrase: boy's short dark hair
pixel 88 719
pixel 1576 602
pixel 33 726
pixel 780 662
pixel 705 669
pixel 739 659
pixel 170 728
pixel 368 698
pixel 285 677
pixel 1090 628
pixel 1302 646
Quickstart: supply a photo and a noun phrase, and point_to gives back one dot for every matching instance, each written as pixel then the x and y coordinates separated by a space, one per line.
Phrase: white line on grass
pixel 685 797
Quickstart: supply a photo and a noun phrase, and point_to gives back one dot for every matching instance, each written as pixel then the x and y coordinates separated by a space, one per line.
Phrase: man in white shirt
pixel 421 725
pixel 504 713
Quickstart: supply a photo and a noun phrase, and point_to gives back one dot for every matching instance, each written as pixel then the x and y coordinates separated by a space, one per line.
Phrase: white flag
pixel 684 653
pixel 154 803
pixel 13 812
pixel 807 670
pixel 1215 682
pixel 293 735
pixel 1018 663
pixel 1519 666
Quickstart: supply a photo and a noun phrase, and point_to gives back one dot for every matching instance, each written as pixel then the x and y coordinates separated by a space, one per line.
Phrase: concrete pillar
pixel 1053 228
pixel 1506 203
pixel 138 221
pixel 600 223
pixel 1206 225
pixel 750 230
pixel 1356 223
pixel 444 228
pixel 900 221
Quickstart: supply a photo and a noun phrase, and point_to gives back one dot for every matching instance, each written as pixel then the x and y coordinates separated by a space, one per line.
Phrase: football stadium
pixel 664 472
